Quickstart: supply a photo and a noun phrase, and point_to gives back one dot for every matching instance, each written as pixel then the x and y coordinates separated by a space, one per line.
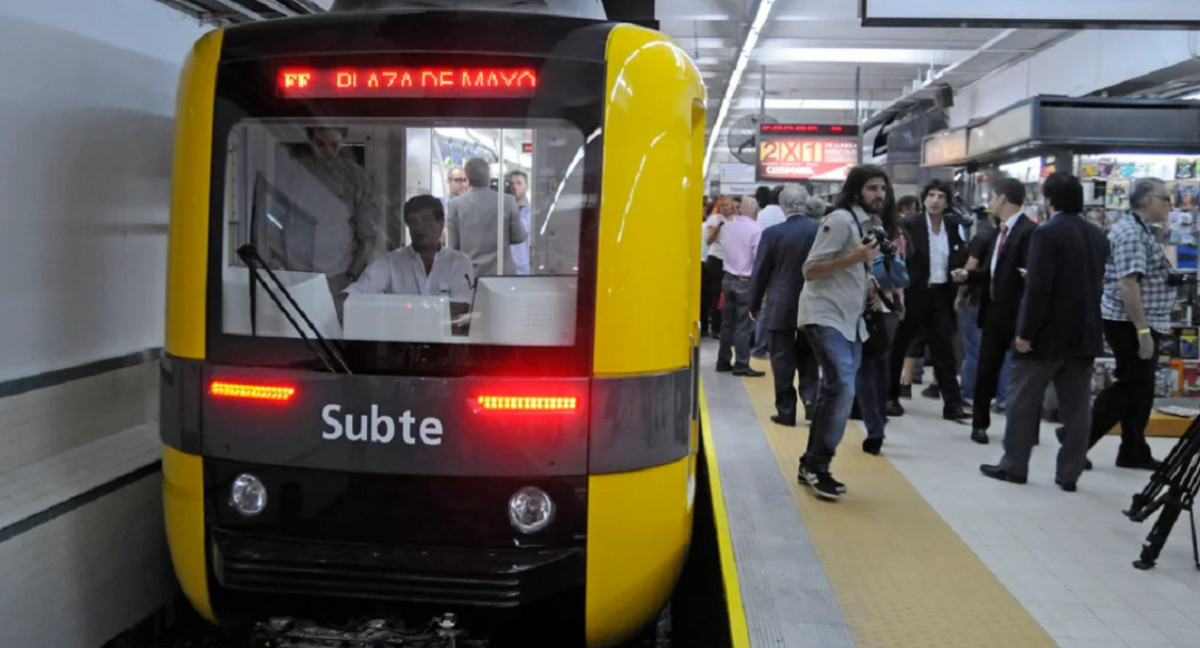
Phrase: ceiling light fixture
pixel 735 79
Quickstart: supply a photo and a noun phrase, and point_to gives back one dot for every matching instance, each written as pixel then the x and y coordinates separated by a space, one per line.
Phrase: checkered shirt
pixel 1134 250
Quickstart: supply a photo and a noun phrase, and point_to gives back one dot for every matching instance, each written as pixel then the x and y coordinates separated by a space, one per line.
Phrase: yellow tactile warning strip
pixel 738 631
pixel 900 574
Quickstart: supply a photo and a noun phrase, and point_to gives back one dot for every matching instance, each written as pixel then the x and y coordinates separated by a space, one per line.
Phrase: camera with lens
pixel 1177 279
pixel 876 234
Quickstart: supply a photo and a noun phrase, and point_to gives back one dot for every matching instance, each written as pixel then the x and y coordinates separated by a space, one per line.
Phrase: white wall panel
pixel 85 162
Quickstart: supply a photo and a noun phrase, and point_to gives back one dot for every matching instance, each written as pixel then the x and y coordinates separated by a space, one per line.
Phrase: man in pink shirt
pixel 739 239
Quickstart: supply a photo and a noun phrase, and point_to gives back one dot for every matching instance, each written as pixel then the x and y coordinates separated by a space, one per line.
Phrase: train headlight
pixel 530 510
pixel 248 495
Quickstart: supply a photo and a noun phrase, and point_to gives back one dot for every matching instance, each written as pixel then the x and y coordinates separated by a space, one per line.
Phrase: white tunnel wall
pixel 86 134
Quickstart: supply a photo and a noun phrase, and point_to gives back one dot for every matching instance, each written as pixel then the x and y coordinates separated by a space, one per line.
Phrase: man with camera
pixel 937 250
pixel 1136 310
pixel 831 313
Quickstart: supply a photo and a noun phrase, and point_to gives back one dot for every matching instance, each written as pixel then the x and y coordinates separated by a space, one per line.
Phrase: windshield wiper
pixel 322 348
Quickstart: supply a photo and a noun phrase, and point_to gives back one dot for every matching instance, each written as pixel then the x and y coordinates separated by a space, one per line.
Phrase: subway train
pixel 388 384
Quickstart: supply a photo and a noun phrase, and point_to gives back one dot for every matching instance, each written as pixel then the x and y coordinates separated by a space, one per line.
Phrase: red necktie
pixel 1003 235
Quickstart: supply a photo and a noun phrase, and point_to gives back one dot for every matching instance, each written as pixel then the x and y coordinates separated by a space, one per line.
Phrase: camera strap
pixel 861 235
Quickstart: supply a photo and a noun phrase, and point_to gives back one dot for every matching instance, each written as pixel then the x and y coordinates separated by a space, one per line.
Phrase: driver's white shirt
pixel 402 272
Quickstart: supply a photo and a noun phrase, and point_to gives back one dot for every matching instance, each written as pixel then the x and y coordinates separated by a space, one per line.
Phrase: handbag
pixel 877 343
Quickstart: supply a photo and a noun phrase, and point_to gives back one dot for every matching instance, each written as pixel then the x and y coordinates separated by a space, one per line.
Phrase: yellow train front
pixel 538 449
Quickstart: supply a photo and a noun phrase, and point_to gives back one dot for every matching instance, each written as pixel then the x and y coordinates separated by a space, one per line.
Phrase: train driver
pixel 425 266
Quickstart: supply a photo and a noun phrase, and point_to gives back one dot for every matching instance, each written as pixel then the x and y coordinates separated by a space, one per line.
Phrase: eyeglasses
pixel 458 179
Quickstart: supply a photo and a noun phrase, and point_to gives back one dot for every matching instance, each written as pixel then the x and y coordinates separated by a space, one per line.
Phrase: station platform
pixel 923 550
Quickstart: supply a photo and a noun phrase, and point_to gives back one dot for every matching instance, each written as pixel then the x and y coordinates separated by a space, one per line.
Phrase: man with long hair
pixel 831 309
pixel 937 250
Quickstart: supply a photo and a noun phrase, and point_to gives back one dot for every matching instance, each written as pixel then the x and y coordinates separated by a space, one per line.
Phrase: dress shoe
pixel 724 368
pixel 1066 486
pixel 894 408
pixel 783 420
pixel 956 413
pixel 906 391
pixel 1139 463
pixel 996 472
pixel 979 436
pixel 872 446
pixel 932 391
pixel 748 373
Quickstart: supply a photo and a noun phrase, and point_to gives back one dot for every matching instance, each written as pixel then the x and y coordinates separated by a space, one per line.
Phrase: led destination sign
pixel 364 82
pixel 808 129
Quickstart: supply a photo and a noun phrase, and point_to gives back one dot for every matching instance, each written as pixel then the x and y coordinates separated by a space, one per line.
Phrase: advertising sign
pixel 1108 14
pixel 806 158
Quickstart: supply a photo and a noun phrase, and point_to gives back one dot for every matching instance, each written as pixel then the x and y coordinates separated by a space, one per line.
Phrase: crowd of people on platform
pixel 851 300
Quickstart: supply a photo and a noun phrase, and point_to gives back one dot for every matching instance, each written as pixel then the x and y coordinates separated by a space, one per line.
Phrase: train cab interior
pixel 323 200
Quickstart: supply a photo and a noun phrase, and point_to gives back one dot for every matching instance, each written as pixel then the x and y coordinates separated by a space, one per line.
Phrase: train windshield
pixel 405 230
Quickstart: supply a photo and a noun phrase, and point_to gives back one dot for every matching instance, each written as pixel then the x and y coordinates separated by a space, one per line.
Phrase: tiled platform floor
pixel 1065 556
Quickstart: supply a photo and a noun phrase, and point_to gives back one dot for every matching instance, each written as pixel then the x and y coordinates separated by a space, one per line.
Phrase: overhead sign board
pixel 1006 129
pixel 737 173
pixel 944 148
pixel 1110 14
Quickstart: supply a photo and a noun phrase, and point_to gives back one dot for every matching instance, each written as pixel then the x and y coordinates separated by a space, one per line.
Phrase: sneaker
pixel 812 479
pixel 827 488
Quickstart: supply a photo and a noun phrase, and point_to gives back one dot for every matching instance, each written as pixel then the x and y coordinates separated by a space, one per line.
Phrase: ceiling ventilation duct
pixel 593 9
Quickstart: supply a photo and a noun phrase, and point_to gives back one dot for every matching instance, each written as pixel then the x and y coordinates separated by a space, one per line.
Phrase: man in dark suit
pixel 1001 279
pixel 779 276
pixel 937 250
pixel 1059 335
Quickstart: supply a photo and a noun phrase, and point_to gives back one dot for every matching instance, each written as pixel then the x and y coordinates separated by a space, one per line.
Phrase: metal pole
pixel 762 95
pixel 857 114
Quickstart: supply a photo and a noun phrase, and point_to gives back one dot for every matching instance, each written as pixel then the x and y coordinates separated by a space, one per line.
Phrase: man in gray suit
pixel 1059 334
pixel 473 227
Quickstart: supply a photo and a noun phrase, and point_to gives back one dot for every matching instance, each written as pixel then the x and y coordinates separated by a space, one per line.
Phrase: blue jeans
pixel 968 323
pixel 839 359
pixel 872 385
